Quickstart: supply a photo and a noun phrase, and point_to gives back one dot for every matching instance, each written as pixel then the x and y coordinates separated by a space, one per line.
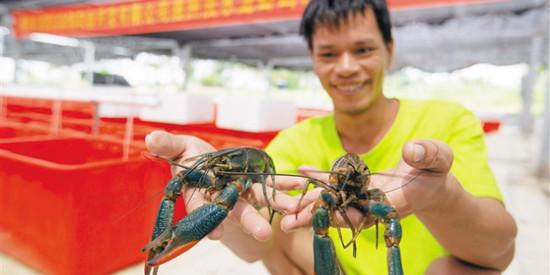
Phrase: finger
pixel 217 233
pixel 164 144
pixel 309 198
pixel 282 202
pixel 251 221
pixel 292 222
pixel 313 172
pixel 173 146
pixel 432 155
pixel 287 183
pixel 194 199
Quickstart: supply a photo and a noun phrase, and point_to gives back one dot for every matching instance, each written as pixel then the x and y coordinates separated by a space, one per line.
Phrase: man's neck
pixel 359 133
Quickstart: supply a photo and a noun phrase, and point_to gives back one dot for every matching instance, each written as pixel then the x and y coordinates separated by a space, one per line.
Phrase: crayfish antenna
pixel 376 233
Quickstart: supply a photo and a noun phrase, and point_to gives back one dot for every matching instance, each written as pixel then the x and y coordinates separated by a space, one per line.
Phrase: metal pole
pixel 95 119
pixel 268 69
pixel 528 83
pixel 185 55
pixel 2 44
pixel 17 60
pixel 543 167
pixel 89 59
pixel 128 136
pixel 55 124
pixel 3 108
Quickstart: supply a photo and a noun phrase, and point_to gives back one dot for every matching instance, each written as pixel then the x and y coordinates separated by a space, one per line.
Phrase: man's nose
pixel 347 65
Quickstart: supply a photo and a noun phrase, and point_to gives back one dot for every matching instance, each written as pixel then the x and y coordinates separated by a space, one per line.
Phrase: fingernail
pixel 148 138
pixel 419 152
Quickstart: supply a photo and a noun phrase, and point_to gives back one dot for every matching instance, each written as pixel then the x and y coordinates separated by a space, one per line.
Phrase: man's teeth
pixel 350 88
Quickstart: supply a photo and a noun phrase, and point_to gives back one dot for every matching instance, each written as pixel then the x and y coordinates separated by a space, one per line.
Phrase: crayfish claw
pixel 159 241
pixel 148 269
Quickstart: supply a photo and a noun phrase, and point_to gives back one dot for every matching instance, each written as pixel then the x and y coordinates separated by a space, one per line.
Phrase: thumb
pixel 432 155
pixel 164 144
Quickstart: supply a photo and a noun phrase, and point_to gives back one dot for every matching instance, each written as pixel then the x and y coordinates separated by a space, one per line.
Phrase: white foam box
pixel 180 108
pixel 114 110
pixel 255 114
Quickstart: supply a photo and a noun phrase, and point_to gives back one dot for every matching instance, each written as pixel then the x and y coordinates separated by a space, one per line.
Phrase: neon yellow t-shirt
pixel 315 142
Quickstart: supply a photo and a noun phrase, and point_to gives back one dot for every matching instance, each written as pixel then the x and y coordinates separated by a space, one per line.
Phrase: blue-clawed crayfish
pixel 348 186
pixel 231 171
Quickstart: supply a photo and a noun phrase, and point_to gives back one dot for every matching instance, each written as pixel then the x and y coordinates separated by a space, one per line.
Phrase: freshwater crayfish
pixel 230 171
pixel 348 186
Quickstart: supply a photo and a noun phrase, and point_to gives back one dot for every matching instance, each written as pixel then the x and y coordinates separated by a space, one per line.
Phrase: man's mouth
pixel 349 89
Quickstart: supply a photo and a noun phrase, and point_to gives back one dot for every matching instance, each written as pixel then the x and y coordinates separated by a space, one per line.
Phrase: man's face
pixel 350 62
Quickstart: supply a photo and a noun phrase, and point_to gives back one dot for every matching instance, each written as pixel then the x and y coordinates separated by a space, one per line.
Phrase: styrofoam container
pixel 180 108
pixel 117 110
pixel 255 114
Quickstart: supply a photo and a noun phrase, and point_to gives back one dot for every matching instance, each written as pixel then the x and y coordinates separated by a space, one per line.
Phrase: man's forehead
pixel 361 29
pixel 331 24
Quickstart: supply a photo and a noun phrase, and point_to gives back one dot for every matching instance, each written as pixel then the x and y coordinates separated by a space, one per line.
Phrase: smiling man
pixel 452 215
pixel 453 218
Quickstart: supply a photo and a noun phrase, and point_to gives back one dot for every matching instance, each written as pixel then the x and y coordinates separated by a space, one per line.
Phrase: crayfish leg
pixel 324 254
pixel 392 234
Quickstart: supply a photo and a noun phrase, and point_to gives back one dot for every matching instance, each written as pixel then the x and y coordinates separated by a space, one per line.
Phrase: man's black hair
pixel 333 12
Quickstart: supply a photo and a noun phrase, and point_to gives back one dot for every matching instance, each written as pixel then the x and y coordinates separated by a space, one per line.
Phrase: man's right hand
pixel 245 221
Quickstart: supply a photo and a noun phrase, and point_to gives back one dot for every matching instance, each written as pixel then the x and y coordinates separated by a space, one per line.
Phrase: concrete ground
pixel 513 158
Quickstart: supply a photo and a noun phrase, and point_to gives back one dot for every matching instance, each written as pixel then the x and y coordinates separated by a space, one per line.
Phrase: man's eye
pixel 327 55
pixel 363 50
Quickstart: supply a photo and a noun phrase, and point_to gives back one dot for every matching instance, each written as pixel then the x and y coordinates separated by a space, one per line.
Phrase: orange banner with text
pixel 147 16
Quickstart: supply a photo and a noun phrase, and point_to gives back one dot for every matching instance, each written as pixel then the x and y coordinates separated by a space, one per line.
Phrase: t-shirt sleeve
pixel 471 164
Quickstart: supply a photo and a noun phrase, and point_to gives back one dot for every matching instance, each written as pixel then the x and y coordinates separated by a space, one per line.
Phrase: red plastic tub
pixel 73 206
pixel 69 108
pixel 16 130
pixel 490 126
pixel 218 137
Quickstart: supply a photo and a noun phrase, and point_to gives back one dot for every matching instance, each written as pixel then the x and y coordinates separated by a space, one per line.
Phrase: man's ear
pixel 389 52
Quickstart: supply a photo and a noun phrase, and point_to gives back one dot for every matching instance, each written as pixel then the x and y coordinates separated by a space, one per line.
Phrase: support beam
pixel 185 54
pixel 528 82
pixel 17 61
pixel 543 166
pixel 2 44
pixel 266 69
pixel 89 60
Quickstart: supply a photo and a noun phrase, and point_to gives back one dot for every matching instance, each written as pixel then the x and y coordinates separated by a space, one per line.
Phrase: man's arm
pixel 477 230
pixel 474 229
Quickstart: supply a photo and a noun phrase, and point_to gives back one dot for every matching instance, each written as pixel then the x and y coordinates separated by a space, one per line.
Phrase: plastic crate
pixel 223 138
pixel 69 108
pixel 490 126
pixel 73 206
pixel 16 130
